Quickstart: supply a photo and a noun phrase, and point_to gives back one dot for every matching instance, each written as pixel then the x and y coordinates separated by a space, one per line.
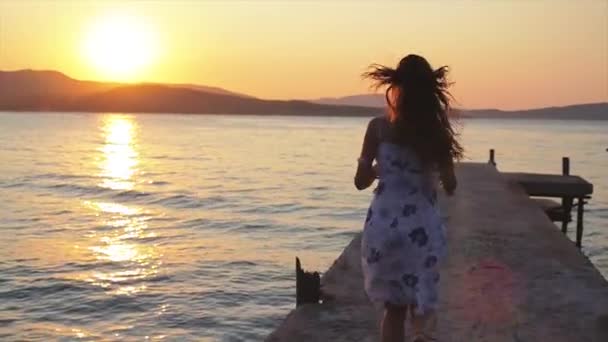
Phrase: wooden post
pixel 566 201
pixel 492 160
pixel 308 285
pixel 579 222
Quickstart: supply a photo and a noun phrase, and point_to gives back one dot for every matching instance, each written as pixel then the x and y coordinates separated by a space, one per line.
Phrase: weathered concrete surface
pixel 510 276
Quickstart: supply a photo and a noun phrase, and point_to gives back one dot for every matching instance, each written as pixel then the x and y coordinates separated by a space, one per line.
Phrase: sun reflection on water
pixel 121 241
pixel 124 245
pixel 120 158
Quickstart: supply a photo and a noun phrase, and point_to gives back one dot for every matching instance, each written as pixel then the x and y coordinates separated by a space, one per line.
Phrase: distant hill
pixel 27 82
pixel 592 111
pixel 206 89
pixel 365 100
pixel 24 83
pixel 29 90
pixel 163 99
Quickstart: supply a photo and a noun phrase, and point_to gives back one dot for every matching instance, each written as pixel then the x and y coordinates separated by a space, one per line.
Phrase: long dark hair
pixel 419 107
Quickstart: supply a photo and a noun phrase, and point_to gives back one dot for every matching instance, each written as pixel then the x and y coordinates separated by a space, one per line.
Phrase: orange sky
pixel 503 54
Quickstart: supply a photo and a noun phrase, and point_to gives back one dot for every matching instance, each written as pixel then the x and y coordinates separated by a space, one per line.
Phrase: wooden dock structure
pixel 510 275
pixel 564 186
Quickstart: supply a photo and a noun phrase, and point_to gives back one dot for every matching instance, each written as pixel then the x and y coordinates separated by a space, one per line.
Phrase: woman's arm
pixel 366 174
pixel 448 177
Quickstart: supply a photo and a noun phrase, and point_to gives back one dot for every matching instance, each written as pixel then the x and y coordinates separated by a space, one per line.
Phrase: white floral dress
pixel 404 237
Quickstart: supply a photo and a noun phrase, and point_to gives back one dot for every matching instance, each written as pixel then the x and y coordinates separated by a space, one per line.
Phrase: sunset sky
pixel 503 54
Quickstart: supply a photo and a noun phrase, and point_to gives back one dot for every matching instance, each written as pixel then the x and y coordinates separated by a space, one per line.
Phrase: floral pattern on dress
pixel 404 242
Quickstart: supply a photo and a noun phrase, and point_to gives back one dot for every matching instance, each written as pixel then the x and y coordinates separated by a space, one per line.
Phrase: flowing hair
pixel 419 107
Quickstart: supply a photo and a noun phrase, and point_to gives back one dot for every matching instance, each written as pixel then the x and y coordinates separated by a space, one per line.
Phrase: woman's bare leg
pixel 393 323
pixel 420 322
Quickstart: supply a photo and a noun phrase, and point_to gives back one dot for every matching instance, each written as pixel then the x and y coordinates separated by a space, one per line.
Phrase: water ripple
pixel 127 230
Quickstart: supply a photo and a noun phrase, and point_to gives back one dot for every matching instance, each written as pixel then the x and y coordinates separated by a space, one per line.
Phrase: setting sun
pixel 120 47
pixel 165 162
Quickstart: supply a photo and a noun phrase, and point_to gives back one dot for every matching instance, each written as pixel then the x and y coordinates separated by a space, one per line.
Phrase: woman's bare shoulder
pixel 377 126
pixel 377 122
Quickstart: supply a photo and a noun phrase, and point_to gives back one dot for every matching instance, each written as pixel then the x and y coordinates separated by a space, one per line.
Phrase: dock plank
pixel 509 276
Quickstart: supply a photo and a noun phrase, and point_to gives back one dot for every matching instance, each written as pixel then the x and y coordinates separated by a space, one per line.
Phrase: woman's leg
pixel 393 323
pixel 420 322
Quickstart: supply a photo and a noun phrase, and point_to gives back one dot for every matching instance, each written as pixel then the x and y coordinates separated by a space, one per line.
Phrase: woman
pixel 404 237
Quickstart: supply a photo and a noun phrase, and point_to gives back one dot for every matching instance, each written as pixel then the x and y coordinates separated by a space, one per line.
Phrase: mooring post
pixel 566 201
pixel 308 285
pixel 565 166
pixel 492 161
pixel 579 222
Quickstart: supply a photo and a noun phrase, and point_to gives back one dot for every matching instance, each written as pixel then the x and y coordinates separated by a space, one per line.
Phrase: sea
pixel 167 227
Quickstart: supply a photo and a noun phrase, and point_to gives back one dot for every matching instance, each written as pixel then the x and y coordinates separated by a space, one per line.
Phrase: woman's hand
pixel 449 183
pixel 366 174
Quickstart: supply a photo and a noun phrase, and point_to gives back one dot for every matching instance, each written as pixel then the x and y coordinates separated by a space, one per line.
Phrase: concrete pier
pixel 510 275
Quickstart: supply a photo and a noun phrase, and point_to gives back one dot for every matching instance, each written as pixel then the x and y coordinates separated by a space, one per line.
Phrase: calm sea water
pixel 176 227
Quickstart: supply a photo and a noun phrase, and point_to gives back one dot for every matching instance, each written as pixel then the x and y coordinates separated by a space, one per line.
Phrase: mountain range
pixel 30 90
pixel 589 111
pixel 365 100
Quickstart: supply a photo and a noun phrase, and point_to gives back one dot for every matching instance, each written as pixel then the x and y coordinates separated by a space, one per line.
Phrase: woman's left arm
pixel 366 174
pixel 448 177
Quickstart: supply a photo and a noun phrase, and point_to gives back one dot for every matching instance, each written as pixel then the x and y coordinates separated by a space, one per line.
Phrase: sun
pixel 120 47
